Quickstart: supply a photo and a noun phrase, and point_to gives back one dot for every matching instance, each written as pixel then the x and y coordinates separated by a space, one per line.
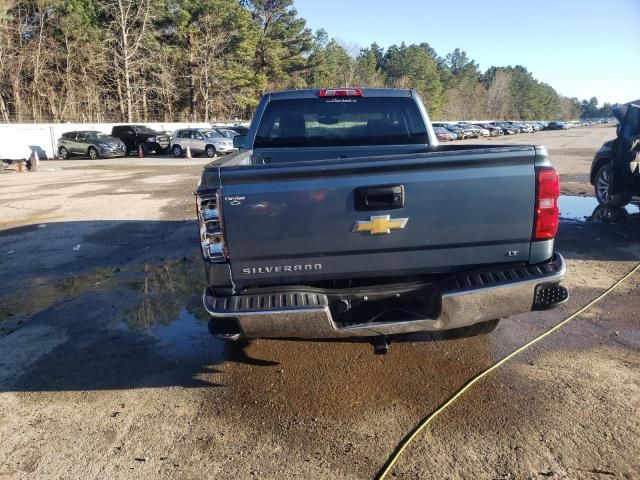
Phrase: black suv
pixel 615 170
pixel 136 136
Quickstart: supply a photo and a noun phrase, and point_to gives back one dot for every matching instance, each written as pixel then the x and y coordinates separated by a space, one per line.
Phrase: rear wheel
pixel 93 153
pixel 602 187
pixel 210 150
pixel 63 153
pixel 177 151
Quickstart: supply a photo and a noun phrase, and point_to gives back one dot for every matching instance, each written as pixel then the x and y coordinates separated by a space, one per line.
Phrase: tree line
pixel 208 60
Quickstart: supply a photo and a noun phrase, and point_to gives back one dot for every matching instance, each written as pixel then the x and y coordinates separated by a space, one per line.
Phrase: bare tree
pixel 127 31
pixel 5 44
pixel 499 95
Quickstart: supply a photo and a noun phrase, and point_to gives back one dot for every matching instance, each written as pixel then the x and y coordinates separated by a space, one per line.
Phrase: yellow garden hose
pixel 388 466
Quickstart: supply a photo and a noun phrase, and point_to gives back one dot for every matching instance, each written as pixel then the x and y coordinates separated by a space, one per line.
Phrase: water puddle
pixel 170 309
pixel 587 209
pixel 188 336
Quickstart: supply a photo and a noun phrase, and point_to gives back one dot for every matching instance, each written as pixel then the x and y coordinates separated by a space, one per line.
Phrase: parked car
pixel 201 141
pixel 516 126
pixel 615 170
pixel 484 132
pixel 506 128
pixel 460 132
pixel 443 134
pixel 91 143
pixel 472 130
pixel 137 137
pixel 494 130
pixel 311 232
pixel 522 128
pixel 556 126
pixel 457 131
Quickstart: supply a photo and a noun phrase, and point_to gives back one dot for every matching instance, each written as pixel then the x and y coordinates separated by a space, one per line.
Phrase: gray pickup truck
pixel 341 216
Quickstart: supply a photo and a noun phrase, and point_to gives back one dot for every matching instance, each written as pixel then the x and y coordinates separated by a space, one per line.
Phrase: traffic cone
pixel 140 152
pixel 188 152
pixel 35 162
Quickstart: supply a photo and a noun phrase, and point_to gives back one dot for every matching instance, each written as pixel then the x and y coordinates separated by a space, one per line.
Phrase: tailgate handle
pixel 385 197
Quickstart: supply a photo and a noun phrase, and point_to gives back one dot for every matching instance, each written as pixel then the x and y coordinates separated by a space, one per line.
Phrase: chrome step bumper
pixel 465 299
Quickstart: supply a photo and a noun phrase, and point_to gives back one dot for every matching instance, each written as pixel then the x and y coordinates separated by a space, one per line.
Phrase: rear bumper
pixel 460 301
pixel 158 147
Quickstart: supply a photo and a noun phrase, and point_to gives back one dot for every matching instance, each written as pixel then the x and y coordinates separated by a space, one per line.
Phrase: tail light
pixel 340 92
pixel 546 213
pixel 212 241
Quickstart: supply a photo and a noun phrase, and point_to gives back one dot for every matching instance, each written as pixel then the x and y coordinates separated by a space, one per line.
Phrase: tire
pixel 93 153
pixel 601 186
pixel 177 151
pixel 63 153
pixel 210 151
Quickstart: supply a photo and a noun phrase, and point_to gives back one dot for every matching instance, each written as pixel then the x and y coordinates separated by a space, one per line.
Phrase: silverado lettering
pixel 328 180
pixel 281 269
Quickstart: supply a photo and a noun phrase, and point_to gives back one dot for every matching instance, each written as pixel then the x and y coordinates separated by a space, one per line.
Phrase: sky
pixel 582 48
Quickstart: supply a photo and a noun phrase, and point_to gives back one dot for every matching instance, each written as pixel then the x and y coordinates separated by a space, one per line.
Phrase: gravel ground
pixel 106 369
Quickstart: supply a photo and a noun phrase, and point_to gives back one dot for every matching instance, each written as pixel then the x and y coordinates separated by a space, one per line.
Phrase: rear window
pixel 329 122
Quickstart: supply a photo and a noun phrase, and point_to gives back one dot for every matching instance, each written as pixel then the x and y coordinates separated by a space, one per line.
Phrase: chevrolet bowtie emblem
pixel 379 225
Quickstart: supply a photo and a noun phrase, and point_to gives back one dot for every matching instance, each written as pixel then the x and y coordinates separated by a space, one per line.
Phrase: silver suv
pixel 92 143
pixel 201 141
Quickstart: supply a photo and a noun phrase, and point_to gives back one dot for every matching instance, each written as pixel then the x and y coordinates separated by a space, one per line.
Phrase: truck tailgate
pixel 294 223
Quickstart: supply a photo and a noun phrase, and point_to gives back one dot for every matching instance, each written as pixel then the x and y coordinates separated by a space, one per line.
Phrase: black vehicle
pixel 91 143
pixel 615 170
pixel 506 128
pixel 556 126
pixel 139 136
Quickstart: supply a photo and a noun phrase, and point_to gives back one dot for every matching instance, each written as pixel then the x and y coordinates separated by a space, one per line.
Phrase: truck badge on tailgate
pixel 379 225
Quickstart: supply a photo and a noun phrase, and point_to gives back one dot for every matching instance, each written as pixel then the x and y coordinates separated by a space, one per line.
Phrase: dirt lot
pixel 106 369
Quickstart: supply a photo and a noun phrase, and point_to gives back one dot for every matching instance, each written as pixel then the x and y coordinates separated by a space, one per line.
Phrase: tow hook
pixel 381 345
